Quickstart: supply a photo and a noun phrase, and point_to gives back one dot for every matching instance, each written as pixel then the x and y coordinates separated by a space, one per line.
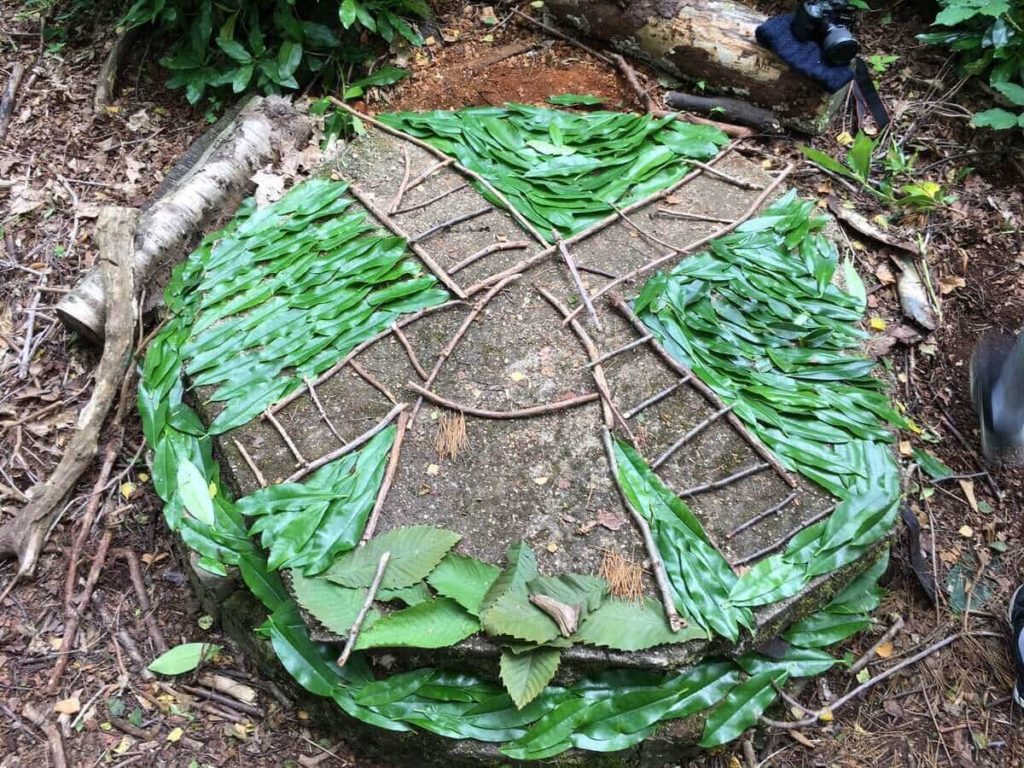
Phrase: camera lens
pixel 839 45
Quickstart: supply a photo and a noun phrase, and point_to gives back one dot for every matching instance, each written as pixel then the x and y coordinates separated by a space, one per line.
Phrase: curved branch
pixel 521 413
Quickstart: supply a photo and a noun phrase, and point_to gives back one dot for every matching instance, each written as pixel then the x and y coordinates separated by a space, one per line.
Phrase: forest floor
pixel 59 162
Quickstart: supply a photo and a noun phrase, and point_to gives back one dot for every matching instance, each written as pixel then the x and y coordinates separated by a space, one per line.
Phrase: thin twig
pixel 358 350
pixel 520 413
pixel 467 321
pixel 370 379
pixel 397 199
pixel 774 509
pixel 578 281
pixel 596 271
pixel 30 324
pixel 784 540
pixel 657 564
pixel 644 268
pixel 135 572
pixel 224 701
pixel 487 251
pixel 562 36
pixel 596 227
pixel 320 409
pixel 357 625
pixel 864 660
pixel 250 463
pixel 633 81
pixel 404 341
pixel 337 453
pixel 429 172
pixel 714 485
pixel 690 435
pixel 440 155
pixel 389 476
pixel 741 183
pixel 450 223
pixel 656 398
pixel 300 460
pixel 690 216
pixel 391 224
pixel 431 201
pixel 709 394
pixel 610 410
pixel 615 352
pixel 860 689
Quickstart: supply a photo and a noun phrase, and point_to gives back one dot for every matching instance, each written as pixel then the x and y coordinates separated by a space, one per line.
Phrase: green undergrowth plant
pixel 287 290
pixel 988 36
pixel 275 46
pixel 565 171
pixel 897 187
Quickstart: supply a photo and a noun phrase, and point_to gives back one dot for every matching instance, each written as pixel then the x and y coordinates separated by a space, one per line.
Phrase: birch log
pixel 706 41
pixel 258 135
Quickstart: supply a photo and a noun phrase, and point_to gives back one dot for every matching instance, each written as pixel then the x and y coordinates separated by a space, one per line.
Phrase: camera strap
pixel 866 96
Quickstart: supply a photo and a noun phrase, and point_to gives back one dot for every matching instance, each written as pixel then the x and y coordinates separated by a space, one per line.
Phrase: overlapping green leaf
pixel 561 170
pixel 435 623
pixel 464 579
pixel 414 552
pixel 627 626
pixel 525 675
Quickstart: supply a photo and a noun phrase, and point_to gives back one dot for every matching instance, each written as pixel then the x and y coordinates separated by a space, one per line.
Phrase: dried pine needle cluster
pixel 451 435
pixel 624 576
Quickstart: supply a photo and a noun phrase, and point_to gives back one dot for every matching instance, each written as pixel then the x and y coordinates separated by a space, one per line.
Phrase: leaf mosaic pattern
pixel 767 287
pixel 561 170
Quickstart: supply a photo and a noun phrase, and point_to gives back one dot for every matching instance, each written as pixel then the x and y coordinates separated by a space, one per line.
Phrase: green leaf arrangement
pixel 437 596
pixel 561 170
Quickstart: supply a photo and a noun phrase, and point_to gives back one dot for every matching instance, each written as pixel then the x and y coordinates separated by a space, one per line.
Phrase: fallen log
pixel 216 183
pixel 702 41
pixel 25 534
pixel 110 71
pixel 733 110
pixel 8 99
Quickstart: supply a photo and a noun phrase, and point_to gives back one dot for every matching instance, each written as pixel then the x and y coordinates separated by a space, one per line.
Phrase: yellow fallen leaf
pixel 876 324
pixel 884 651
pixel 844 139
pixel 905 448
pixel 302 714
pixel 127 489
pixel 540 480
pixel 799 737
pixel 433 469
pixel 859 729
pixel 213 490
pixel 552 547
pixel 517 376
pixel 68 706
pixel 966 531
pixel 175 735
pixel 123 745
pixel 967 486
pixel 826 716
pixel 143 477
pixel 734 762
pixel 56 643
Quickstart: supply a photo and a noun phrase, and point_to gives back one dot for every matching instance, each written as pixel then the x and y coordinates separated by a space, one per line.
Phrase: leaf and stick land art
pixel 272 307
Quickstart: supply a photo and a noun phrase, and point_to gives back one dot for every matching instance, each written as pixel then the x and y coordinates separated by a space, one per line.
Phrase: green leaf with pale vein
pixel 526 675
pixel 741 708
pixel 194 491
pixel 334 606
pixel 414 595
pixel 415 552
pixel 436 623
pixel 628 626
pixel 521 569
pixel 513 615
pixel 464 579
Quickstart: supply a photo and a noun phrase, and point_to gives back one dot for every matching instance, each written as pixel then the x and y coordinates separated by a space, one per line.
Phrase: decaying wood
pixel 734 110
pixel 256 136
pixel 9 97
pixel 25 534
pixel 698 40
pixel 110 71
pixel 520 413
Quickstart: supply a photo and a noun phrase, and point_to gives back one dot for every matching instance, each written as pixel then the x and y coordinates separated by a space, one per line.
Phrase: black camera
pixel 827 23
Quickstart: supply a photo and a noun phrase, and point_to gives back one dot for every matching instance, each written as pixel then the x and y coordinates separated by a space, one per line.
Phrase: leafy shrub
pixel 272 45
pixel 989 35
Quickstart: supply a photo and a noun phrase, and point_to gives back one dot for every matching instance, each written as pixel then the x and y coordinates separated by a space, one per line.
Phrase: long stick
pixel 625 348
pixel 709 394
pixel 357 625
pixel 370 379
pixel 657 564
pixel 655 398
pixel 299 458
pixel 250 463
pixel 487 251
pixel 478 307
pixel 667 454
pixel 429 172
pixel 320 408
pixel 451 223
pixel 864 660
pixel 860 689
pixel 139 585
pixel 391 224
pixel 356 351
pixel 520 413
pixel 397 199
pixel 523 222
pixel 781 542
pixel 774 509
pixel 409 351
pixel 431 201
pixel 714 485
pixel 598 226
pixel 578 281
pixel 389 476
pixel 337 453
pixel 644 268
